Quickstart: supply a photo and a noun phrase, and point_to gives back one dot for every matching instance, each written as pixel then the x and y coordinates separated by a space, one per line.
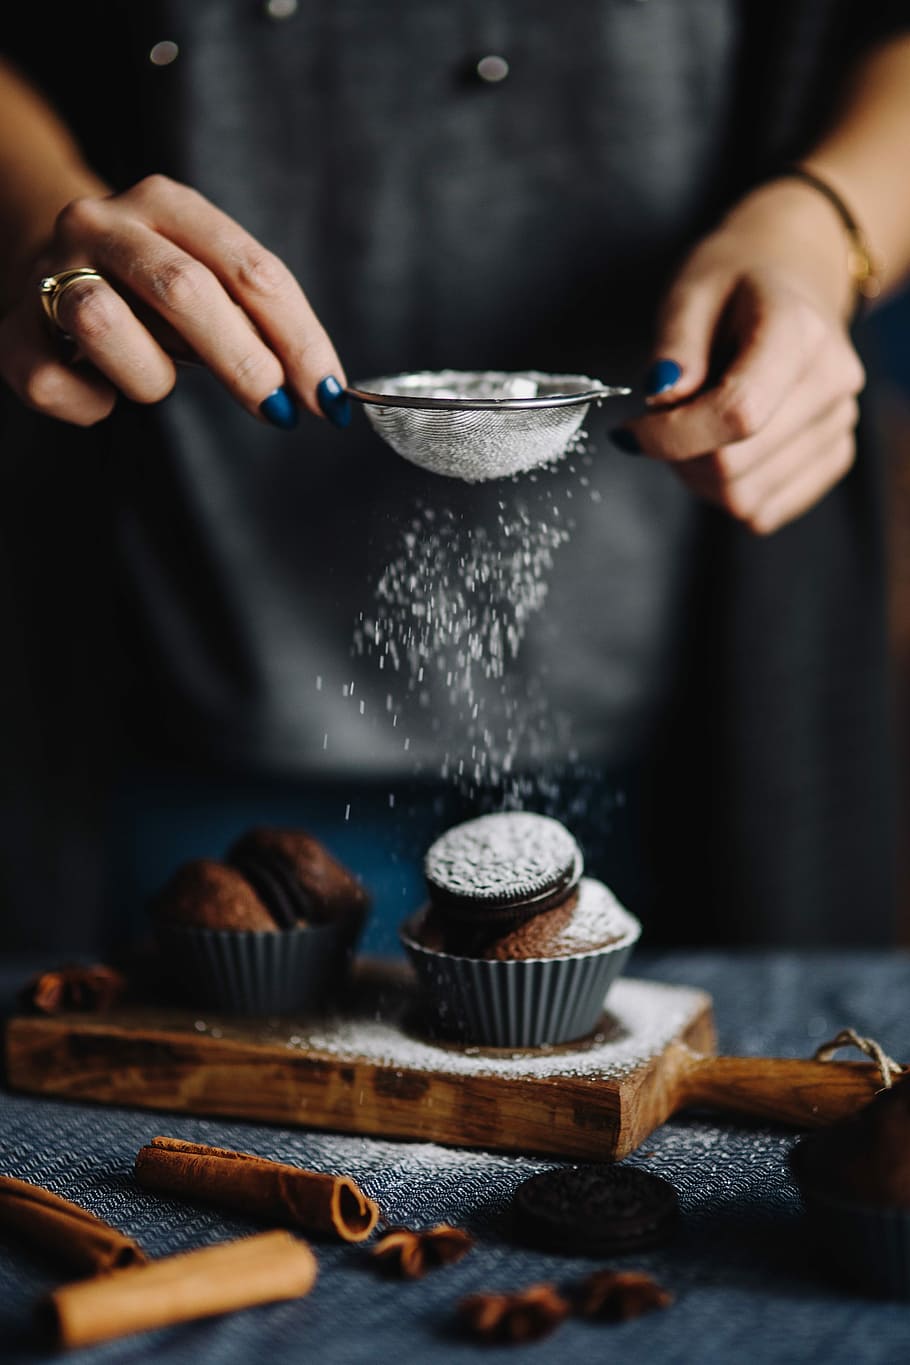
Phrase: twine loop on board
pixel 889 1070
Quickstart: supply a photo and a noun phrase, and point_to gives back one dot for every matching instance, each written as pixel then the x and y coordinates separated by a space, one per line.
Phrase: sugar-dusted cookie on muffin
pixel 502 869
pixel 515 948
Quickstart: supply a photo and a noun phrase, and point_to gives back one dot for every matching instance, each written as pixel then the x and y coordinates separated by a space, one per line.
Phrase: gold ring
pixel 53 287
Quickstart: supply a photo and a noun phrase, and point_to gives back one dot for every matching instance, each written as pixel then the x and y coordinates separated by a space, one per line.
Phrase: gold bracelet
pixel 864 268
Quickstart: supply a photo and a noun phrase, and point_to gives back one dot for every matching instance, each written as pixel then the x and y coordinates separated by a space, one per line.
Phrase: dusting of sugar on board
pixel 642 1018
pixel 514 854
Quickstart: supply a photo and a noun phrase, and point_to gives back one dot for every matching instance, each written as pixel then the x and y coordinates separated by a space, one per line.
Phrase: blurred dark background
pixel 889 340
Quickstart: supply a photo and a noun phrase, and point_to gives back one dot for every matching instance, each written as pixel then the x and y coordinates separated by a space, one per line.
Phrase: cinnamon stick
pixel 195 1284
pixel 72 1234
pixel 269 1190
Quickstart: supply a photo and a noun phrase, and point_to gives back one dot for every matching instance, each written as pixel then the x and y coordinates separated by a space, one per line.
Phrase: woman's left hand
pixel 764 300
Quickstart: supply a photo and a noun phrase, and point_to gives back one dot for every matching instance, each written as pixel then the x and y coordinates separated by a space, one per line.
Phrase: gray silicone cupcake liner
pixel 246 972
pixel 866 1246
pixel 518 1003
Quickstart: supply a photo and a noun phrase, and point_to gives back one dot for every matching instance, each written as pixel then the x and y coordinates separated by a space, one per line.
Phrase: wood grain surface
pixel 558 1101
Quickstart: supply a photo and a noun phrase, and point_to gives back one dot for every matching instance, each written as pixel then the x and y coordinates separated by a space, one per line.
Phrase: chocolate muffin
pixel 210 895
pixel 297 876
pixel 854 1177
pixel 270 930
pixel 518 950
pixel 588 919
pixel 864 1158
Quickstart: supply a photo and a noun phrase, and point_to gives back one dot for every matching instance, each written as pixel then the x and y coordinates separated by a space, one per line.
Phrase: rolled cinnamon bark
pixel 269 1190
pixel 69 1233
pixel 196 1284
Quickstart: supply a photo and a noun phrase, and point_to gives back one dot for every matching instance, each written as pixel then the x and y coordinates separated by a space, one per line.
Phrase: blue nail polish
pixel 334 401
pixel 662 376
pixel 625 440
pixel 281 410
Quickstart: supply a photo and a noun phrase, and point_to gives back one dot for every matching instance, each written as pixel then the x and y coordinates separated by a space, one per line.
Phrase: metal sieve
pixel 475 425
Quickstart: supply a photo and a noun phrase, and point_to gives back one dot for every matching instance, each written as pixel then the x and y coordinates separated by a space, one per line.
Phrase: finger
pixel 112 339
pixel 33 367
pixel 798 495
pixel 800 413
pixel 776 336
pixel 186 294
pixel 686 327
pixel 745 498
pixel 259 281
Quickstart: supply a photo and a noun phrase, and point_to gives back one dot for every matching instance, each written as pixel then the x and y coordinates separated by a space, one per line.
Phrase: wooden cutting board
pixel 370 1070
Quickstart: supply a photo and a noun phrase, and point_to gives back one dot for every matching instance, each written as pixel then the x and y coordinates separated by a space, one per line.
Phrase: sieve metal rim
pixel 423 402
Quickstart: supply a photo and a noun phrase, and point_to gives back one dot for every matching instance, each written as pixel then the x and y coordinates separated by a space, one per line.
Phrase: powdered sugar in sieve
pixel 500 859
pixel 479 425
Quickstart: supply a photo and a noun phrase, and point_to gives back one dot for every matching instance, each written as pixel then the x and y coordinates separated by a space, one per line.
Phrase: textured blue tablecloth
pixel 747 1289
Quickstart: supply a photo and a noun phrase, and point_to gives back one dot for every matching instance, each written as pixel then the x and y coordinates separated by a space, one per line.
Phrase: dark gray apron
pixel 435 221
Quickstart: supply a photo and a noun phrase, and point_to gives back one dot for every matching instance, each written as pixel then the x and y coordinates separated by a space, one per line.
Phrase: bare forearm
pixel 866 152
pixel 774 433
pixel 41 170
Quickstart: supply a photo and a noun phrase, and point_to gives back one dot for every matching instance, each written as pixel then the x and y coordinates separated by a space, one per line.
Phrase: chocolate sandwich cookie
pixel 494 872
pixel 595 1210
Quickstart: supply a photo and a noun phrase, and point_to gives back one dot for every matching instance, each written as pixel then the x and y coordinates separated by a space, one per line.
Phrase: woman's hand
pixel 753 337
pixel 180 277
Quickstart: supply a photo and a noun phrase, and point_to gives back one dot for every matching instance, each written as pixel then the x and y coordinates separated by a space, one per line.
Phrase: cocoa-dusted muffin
pixel 854 1177
pixel 270 930
pixel 209 895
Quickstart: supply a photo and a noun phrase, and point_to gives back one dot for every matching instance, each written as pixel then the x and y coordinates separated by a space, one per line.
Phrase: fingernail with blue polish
pixel 626 440
pixel 662 376
pixel 281 410
pixel 334 401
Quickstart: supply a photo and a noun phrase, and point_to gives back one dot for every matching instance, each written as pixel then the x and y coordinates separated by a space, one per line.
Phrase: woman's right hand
pixel 180 277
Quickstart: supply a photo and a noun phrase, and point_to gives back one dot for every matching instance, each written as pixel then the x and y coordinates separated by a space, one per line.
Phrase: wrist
pixel 788 226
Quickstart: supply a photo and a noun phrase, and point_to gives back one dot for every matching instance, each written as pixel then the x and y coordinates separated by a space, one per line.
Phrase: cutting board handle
pixel 805 1094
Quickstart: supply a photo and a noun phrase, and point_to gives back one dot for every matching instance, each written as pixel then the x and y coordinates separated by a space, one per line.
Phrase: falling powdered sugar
pixel 452 609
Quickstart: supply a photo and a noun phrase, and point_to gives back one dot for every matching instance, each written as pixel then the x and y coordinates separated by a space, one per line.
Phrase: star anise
pixel 615 1295
pixel 524 1316
pixel 87 989
pixel 411 1254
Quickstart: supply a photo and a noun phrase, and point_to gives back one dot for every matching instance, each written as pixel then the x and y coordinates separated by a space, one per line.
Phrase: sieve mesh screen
pixel 479 425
